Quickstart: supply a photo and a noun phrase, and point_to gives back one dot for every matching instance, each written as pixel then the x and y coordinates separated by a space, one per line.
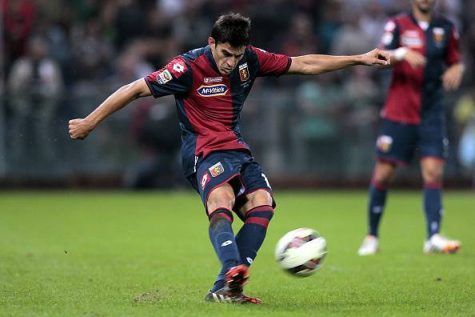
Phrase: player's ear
pixel 211 41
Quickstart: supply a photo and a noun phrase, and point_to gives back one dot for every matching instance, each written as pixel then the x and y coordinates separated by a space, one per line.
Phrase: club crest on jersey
pixel 438 35
pixel 243 72
pixel 384 143
pixel 212 90
pixel 216 170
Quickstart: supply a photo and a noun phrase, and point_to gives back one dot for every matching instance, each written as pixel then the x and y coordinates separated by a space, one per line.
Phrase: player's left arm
pixel 315 64
pixel 452 77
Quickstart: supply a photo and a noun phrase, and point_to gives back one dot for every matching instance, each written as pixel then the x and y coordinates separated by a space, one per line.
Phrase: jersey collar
pixel 209 56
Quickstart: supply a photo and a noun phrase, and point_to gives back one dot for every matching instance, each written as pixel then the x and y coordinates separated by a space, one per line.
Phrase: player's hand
pixel 452 77
pixel 414 58
pixel 376 57
pixel 80 128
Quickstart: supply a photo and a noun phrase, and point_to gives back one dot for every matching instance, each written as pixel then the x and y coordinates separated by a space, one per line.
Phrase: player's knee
pixel 259 198
pixel 382 181
pixel 432 176
pixel 383 175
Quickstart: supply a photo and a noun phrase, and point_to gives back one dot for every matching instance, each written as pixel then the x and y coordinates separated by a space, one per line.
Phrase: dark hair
pixel 232 28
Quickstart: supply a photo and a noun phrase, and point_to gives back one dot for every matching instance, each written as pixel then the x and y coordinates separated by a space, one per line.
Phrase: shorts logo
pixel 243 72
pixel 216 170
pixel 204 180
pixel 384 143
pixel 212 90
pixel 164 77
pixel 212 80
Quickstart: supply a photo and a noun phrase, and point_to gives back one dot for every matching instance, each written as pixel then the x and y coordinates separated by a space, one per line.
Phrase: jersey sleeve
pixel 390 38
pixel 173 79
pixel 452 54
pixel 271 64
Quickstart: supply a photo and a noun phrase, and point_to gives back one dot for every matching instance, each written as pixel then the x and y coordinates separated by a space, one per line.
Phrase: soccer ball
pixel 300 252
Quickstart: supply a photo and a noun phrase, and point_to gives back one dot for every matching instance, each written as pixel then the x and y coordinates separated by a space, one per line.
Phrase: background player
pixel 210 85
pixel 426 60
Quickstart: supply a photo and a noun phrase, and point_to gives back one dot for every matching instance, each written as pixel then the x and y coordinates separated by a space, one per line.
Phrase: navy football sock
pixel 222 237
pixel 249 239
pixel 253 232
pixel 432 208
pixel 377 201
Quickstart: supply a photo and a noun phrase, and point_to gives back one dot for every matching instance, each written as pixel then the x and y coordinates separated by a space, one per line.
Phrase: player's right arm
pixel 175 78
pixel 80 128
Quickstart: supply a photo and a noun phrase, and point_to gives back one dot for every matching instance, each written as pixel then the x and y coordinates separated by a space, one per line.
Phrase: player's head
pixel 228 40
pixel 424 6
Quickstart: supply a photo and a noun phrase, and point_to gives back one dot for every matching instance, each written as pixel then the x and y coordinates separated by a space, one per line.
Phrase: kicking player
pixel 210 85
pixel 426 59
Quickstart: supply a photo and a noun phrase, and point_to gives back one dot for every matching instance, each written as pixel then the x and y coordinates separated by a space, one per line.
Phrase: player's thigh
pixel 220 171
pixel 433 140
pixel 256 190
pixel 396 142
pixel 221 196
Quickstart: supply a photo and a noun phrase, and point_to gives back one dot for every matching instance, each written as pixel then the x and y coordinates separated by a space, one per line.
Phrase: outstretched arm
pixel 318 64
pixel 80 128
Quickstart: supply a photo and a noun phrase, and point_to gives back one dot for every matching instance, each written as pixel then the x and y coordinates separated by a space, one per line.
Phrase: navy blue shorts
pixel 237 168
pixel 399 142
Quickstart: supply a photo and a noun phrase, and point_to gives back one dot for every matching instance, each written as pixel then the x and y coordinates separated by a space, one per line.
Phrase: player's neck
pixel 421 16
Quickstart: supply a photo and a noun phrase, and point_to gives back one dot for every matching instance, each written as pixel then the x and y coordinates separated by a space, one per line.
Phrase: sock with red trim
pixel 253 232
pixel 377 201
pixel 249 239
pixel 433 208
pixel 222 237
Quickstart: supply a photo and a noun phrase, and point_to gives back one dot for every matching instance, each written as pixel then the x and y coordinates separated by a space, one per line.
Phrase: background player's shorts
pixel 237 168
pixel 398 142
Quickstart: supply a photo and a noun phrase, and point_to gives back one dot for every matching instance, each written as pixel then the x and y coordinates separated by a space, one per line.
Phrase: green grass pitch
pixel 148 254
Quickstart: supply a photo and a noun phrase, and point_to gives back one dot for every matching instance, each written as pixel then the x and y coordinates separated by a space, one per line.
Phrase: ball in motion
pixel 300 252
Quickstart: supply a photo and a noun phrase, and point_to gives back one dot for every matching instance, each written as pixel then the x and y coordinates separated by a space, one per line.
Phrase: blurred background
pixel 61 58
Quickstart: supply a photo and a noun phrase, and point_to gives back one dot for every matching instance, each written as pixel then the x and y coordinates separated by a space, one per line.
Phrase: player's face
pixel 424 6
pixel 225 56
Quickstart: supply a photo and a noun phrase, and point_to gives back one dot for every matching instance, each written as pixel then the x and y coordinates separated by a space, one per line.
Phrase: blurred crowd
pixel 61 58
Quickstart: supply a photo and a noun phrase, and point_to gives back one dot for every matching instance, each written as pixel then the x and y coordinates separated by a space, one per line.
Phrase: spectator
pixel 35 86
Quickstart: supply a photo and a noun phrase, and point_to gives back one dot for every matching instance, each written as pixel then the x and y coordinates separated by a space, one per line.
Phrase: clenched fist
pixel 80 128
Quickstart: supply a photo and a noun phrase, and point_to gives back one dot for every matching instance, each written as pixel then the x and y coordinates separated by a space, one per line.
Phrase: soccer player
pixel 424 52
pixel 210 85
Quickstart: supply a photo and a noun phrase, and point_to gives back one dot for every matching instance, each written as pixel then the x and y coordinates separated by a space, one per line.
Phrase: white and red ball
pixel 300 252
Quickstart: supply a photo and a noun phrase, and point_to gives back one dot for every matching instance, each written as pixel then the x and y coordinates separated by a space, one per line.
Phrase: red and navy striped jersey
pixel 416 92
pixel 209 103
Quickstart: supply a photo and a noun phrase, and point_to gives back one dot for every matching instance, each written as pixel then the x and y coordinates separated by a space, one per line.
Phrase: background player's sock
pixel 253 232
pixel 377 201
pixel 222 237
pixel 432 207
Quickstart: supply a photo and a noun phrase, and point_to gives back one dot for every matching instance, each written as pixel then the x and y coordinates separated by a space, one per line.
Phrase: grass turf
pixel 147 254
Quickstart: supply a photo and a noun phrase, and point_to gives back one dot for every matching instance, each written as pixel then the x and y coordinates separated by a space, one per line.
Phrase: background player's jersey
pixel 209 103
pixel 417 92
